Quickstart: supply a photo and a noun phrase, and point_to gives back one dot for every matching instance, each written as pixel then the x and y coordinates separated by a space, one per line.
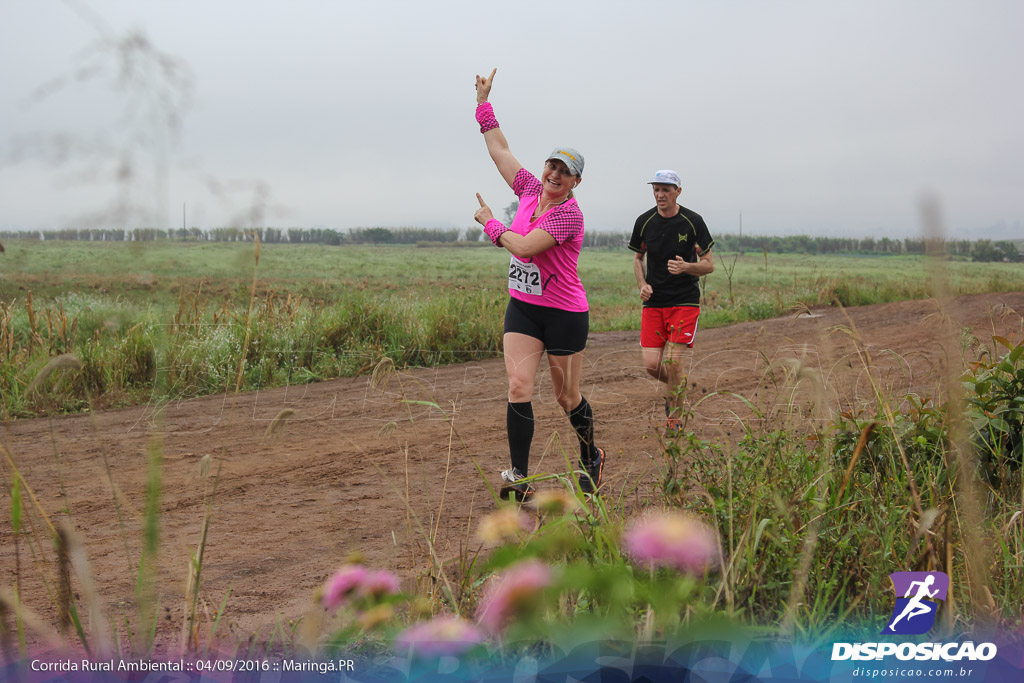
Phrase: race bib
pixel 524 277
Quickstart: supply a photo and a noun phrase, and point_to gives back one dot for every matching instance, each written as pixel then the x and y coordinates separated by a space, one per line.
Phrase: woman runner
pixel 547 309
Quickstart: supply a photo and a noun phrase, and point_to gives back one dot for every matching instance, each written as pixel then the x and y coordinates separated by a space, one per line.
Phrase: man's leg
pixel 652 349
pixel 652 357
pixel 681 327
pixel 652 341
pixel 676 368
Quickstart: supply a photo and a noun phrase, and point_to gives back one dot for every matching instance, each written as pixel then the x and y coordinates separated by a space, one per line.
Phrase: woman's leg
pixel 565 376
pixel 522 358
pixel 566 372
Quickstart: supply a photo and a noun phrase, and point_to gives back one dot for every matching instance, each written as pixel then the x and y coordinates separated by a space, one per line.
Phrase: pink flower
pixel 355 580
pixel 513 592
pixel 441 636
pixel 379 583
pixel 673 540
pixel 343 585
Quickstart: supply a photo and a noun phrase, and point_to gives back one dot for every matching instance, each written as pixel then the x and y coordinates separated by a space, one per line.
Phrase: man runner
pixel 676 245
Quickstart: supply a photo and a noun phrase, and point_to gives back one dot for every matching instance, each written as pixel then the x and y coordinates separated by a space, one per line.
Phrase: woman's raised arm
pixel 497 145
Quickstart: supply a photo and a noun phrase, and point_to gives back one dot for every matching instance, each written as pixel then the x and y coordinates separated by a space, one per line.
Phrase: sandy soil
pixel 354 468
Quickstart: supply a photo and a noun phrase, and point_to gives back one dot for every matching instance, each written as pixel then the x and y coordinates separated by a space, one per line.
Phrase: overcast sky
pixel 805 116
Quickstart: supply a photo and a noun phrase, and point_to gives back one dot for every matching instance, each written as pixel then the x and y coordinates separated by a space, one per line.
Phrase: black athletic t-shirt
pixel 663 239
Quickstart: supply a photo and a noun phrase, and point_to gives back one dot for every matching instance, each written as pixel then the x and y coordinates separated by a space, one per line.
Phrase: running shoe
pixel 673 426
pixel 590 479
pixel 513 487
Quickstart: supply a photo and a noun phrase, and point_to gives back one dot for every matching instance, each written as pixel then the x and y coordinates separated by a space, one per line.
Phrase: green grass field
pixel 155 272
pixel 176 318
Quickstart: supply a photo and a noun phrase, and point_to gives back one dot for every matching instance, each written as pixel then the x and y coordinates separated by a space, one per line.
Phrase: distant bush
pixel 987 250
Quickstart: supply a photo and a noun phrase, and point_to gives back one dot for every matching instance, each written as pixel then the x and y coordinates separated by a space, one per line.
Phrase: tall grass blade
pixel 862 441
pixel 967 500
pixel 278 423
pixel 100 639
pixel 218 616
pixel 447 473
pixel 65 361
pixel 64 580
pixel 249 316
pixel 16 512
pixel 6 642
pixel 146 583
pixel 49 637
pixel 190 625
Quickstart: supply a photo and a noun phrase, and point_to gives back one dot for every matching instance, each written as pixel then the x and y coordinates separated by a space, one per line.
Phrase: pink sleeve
pixel 525 184
pixel 564 225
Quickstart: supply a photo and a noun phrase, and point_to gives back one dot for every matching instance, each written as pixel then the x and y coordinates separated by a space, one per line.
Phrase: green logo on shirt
pixel 683 238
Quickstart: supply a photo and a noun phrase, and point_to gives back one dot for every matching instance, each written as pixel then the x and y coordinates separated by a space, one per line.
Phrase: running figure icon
pixel 915 607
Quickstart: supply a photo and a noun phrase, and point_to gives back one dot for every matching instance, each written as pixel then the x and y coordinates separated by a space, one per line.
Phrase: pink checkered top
pixel 562 287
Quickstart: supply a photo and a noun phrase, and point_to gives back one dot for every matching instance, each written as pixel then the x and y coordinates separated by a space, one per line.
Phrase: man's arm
pixel 641 276
pixel 704 265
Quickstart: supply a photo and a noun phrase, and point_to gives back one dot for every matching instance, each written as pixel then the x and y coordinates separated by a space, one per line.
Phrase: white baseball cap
pixel 667 177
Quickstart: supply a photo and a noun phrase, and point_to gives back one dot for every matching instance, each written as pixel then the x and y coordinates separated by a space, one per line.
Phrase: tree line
pixel 977 250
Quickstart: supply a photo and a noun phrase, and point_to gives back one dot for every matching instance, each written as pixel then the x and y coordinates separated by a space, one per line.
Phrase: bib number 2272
pixel 524 277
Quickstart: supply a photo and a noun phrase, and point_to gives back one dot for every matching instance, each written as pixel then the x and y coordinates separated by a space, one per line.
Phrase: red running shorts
pixel 677 324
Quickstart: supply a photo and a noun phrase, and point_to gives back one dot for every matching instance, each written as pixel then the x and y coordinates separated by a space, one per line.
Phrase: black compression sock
pixel 519 422
pixel 582 420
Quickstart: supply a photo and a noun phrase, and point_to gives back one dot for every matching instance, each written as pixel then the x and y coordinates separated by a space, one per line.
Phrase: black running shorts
pixel 563 332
